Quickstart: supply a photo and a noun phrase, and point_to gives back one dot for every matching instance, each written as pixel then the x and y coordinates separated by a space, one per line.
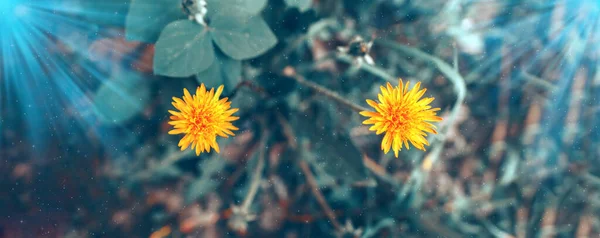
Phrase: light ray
pixel 47 89
pixel 552 40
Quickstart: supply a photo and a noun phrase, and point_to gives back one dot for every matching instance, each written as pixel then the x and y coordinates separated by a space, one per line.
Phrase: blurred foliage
pixel 508 162
pixel 120 99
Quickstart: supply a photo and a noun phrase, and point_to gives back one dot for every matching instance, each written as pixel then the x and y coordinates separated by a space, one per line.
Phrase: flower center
pixel 399 120
pixel 202 122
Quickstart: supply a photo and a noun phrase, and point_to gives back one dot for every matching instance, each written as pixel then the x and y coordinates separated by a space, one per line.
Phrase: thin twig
pixel 248 84
pixel 379 171
pixel 310 179
pixel 326 92
pixel 288 131
pixel 539 82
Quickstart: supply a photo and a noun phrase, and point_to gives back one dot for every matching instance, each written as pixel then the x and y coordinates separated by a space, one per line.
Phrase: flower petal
pixel 202 117
pixel 403 115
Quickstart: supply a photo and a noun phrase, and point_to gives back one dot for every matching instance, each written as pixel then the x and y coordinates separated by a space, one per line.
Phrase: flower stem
pixel 256 179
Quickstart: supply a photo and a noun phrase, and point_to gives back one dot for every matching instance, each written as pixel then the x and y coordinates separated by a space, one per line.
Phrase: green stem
pixel 256 179
pixel 374 70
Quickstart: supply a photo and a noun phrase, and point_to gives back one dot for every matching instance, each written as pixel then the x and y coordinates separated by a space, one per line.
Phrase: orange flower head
pixel 202 117
pixel 403 115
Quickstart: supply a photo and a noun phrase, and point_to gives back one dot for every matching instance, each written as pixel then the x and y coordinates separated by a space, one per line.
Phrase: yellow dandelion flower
pixel 202 117
pixel 403 115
